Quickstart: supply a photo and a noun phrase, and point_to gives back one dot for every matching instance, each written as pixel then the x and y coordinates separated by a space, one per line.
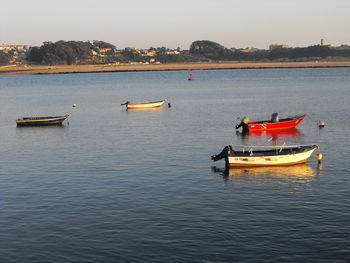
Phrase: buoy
pixel 319 157
pixel 74 105
pixel 191 77
pixel 321 124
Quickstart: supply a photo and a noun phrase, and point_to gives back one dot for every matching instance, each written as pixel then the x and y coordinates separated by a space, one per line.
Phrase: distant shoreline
pixel 69 69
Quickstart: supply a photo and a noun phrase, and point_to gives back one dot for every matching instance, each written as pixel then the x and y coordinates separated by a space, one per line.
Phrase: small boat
pixel 274 124
pixel 265 155
pixel 147 105
pixel 37 121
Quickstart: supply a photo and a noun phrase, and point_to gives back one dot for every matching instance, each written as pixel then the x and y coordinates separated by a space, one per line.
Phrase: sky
pixel 157 23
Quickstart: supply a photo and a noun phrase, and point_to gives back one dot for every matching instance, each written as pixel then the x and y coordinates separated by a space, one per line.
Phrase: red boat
pixel 275 124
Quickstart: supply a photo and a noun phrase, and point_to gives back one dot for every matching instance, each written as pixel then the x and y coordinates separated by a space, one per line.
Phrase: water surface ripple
pixel 139 186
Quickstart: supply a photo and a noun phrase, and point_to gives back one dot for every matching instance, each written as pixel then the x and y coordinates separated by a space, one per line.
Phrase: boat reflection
pixel 274 135
pixel 43 127
pixel 286 132
pixel 300 172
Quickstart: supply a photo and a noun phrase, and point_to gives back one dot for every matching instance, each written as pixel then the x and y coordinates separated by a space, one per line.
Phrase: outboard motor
pixel 275 117
pixel 224 153
pixel 126 103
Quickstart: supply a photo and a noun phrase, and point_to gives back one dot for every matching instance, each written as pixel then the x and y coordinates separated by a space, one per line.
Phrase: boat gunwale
pixel 275 151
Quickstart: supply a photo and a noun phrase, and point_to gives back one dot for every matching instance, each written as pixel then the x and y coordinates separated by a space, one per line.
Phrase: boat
pixel 249 155
pixel 274 124
pixel 38 121
pixel 146 105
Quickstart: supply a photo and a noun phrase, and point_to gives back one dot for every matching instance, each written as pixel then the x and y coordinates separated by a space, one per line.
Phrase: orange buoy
pixel 191 77
pixel 319 157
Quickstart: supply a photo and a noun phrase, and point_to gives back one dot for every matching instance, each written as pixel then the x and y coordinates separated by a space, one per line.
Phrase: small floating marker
pixel 169 105
pixel 74 105
pixel 319 157
pixel 321 124
pixel 191 77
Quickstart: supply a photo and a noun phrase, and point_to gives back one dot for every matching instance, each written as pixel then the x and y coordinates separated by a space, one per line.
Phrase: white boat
pixel 249 155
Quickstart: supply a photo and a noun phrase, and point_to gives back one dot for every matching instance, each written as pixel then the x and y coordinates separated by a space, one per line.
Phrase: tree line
pixel 213 51
pixel 5 58
pixel 80 52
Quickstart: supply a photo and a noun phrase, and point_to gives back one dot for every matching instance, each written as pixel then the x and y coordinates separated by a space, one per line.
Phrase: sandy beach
pixel 65 69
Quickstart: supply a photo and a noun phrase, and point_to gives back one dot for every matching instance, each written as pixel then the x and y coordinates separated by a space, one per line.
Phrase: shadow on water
pixel 45 130
pixel 293 173
pixel 42 127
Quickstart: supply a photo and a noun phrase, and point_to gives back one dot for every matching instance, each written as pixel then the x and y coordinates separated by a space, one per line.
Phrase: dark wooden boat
pixel 38 121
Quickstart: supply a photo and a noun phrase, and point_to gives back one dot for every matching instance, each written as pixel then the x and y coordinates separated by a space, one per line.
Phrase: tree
pixel 210 50
pixel 62 52
pixel 102 44
pixel 35 55
pixel 5 58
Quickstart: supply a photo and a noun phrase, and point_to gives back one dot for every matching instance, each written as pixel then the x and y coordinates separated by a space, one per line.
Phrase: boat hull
pixel 41 121
pixel 276 160
pixel 254 156
pixel 269 125
pixel 149 105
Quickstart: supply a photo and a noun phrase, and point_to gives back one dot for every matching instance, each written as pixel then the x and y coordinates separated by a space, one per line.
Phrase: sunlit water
pixel 139 186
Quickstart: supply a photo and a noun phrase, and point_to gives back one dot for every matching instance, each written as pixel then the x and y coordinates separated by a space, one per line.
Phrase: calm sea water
pixel 139 186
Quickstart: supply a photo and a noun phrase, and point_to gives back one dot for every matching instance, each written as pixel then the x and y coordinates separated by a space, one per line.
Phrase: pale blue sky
pixel 145 23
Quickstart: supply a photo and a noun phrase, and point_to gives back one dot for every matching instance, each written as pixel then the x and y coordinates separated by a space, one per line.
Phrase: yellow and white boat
pixel 142 106
pixel 249 155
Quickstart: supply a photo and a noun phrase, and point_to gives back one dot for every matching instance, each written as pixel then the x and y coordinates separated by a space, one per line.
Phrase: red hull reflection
pixel 286 132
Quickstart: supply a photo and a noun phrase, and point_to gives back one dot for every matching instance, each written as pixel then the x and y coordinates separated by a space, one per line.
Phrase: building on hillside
pixel 148 53
pixel 173 52
pixel 14 48
pixel 248 49
pixel 343 47
pixel 18 52
pixel 134 50
pixel 276 46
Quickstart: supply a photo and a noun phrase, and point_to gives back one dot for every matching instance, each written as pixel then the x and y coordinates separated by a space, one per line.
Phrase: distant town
pixel 100 52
